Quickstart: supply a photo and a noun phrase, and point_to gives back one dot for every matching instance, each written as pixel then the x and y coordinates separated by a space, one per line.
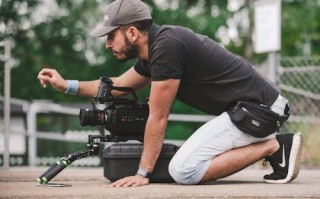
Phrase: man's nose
pixel 108 44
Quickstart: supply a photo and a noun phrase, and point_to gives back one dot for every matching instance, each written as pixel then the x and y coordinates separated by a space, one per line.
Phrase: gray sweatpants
pixel 218 135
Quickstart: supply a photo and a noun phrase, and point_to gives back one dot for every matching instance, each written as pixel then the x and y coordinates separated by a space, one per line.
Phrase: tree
pixel 55 33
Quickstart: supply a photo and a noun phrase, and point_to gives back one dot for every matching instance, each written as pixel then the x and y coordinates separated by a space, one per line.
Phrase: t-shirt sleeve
pixel 167 59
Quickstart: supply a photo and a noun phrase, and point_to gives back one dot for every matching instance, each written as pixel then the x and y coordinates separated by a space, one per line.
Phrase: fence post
pixel 6 58
pixel 32 140
pixel 273 63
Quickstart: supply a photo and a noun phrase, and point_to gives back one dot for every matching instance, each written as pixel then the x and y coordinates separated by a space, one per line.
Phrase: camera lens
pixel 91 117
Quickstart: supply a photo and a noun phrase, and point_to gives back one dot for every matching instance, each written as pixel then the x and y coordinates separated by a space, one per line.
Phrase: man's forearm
pixel 153 140
pixel 88 88
pixel 161 98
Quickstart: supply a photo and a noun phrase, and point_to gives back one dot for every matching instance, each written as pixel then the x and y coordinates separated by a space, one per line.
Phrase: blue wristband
pixel 73 86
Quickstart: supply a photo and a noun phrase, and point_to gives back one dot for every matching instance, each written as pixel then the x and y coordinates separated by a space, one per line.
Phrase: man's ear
pixel 132 34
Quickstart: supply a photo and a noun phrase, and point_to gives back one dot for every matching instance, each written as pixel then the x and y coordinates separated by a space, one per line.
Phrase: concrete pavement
pixel 89 183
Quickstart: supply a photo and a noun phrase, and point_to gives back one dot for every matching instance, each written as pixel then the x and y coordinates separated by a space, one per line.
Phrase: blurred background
pixel 44 124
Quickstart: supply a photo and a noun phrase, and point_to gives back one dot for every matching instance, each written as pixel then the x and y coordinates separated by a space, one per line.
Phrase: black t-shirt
pixel 212 78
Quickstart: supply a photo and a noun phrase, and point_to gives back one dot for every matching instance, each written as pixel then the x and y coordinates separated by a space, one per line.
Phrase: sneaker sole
pixel 294 160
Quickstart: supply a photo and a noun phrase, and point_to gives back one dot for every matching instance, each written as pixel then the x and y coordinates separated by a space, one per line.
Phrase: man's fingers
pixel 43 79
pixel 119 183
pixel 116 183
pixel 132 181
pixel 45 75
pixel 46 71
pixel 43 83
pixel 139 183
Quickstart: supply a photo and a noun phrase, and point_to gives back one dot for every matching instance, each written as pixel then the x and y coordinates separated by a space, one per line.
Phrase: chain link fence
pixel 299 81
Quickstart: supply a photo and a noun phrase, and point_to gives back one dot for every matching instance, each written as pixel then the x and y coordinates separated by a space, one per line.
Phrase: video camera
pixel 123 117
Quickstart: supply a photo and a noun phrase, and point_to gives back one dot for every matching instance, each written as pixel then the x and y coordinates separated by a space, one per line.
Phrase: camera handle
pixel 110 98
pixel 93 145
pixel 106 87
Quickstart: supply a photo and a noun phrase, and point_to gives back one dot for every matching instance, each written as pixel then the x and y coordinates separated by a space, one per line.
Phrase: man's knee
pixel 184 174
pixel 179 174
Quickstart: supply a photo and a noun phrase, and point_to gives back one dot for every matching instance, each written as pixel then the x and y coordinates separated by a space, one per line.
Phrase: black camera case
pixel 122 160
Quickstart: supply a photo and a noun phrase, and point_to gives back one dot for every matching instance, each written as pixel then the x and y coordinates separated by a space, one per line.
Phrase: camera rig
pixel 123 117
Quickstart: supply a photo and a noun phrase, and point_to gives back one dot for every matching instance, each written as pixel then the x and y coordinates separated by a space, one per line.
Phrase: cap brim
pixel 102 31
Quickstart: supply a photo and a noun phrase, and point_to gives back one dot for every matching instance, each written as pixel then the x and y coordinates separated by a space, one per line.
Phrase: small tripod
pixel 93 146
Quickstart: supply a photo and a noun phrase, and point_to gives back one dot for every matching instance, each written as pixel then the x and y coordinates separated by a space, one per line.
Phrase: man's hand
pixel 131 181
pixel 52 77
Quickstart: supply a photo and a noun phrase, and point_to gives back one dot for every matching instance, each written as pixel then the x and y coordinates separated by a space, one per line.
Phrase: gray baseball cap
pixel 121 12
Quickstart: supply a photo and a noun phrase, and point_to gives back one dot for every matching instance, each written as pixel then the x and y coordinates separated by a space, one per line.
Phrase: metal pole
pixel 6 152
pixel 273 66
pixel 32 140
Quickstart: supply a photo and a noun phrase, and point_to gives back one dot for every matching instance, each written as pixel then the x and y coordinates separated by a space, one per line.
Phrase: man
pixel 179 63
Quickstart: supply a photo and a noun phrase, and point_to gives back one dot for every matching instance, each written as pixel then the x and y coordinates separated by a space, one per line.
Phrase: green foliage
pixel 58 37
pixel 300 28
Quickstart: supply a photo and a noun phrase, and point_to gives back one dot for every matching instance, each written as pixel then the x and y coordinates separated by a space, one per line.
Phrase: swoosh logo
pixel 283 163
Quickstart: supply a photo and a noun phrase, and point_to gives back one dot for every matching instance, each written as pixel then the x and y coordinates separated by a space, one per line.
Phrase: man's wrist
pixel 143 172
pixel 72 88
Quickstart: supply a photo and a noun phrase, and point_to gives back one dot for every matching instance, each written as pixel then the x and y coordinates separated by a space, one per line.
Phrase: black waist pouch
pixel 256 119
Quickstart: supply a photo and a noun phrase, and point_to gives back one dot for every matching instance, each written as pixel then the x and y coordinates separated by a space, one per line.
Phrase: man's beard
pixel 130 52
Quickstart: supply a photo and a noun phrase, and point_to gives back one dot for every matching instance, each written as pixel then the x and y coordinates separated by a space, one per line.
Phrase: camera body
pixel 123 117
pixel 126 119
